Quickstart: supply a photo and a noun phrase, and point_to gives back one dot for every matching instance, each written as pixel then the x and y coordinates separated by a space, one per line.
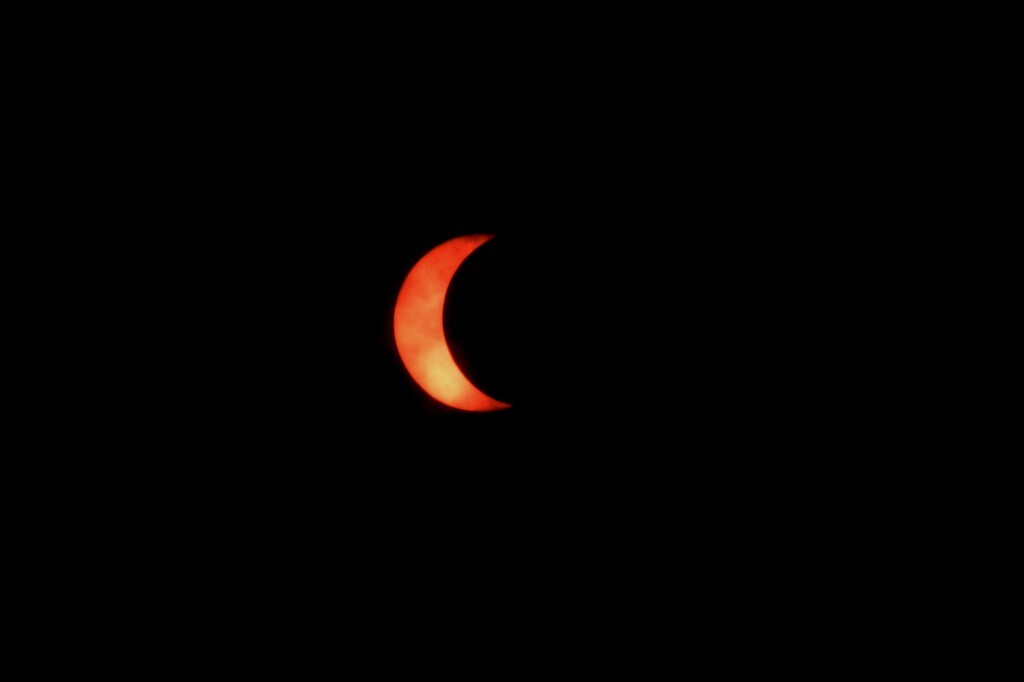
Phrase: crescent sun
pixel 419 327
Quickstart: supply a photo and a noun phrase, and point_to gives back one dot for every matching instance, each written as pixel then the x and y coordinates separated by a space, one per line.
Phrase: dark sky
pixel 636 307
pixel 621 297
pixel 229 413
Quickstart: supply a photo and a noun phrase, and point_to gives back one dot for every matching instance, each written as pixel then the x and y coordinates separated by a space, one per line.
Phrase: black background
pixel 631 313
pixel 650 305
pixel 633 304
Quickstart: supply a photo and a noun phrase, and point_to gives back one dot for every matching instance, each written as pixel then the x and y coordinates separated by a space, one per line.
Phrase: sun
pixel 419 327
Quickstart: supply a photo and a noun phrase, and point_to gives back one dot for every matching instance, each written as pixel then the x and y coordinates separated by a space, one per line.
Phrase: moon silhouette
pixel 419 327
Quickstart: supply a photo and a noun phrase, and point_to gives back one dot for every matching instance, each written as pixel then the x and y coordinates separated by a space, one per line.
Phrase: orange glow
pixel 419 327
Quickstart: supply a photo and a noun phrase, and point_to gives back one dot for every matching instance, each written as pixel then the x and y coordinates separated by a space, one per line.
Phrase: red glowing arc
pixel 419 327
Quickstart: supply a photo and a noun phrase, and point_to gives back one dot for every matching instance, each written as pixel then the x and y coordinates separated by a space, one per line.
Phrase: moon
pixel 419 327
